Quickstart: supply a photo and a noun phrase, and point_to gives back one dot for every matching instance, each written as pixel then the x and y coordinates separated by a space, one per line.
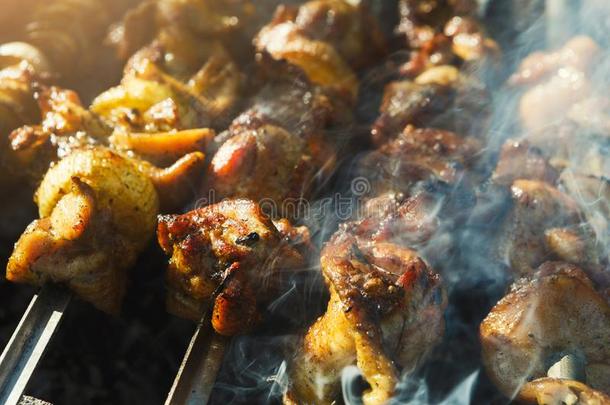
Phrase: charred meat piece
pixel 97 212
pixel 555 312
pixel 280 145
pixel 544 224
pixel 327 39
pixel 419 154
pixel 520 160
pixel 385 311
pixel 228 255
pixel 441 98
pixel 264 163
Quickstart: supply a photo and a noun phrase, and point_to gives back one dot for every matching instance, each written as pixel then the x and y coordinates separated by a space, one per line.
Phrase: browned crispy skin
pixel 442 33
pixel 436 100
pixel 327 39
pixel 520 160
pixel 97 212
pixel 556 310
pixel 385 311
pixel 265 163
pixel 419 154
pixel 230 253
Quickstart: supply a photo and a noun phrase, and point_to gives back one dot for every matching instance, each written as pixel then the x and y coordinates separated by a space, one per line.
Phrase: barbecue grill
pixel 63 350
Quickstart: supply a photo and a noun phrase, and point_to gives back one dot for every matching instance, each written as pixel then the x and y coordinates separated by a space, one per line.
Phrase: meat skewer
pixel 375 319
pixel 83 197
pixel 248 163
pixel 558 306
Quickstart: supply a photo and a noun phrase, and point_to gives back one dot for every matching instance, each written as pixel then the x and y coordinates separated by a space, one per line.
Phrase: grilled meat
pixel 276 147
pixel 543 222
pixel 97 212
pixel 228 255
pixel 327 39
pixel 557 80
pixel 441 97
pixel 557 310
pixel 385 311
pixel 442 33
pixel 419 154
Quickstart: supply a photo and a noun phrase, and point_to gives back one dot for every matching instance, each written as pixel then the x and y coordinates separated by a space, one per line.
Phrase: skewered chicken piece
pixel 230 255
pixel 386 304
pixel 198 74
pixel 384 315
pixel 275 148
pixel 433 92
pixel 68 126
pixel 270 153
pixel 556 311
pixel 97 212
pixel 559 309
pixel 442 33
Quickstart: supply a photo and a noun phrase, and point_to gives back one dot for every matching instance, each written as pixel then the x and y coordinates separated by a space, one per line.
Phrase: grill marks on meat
pixel 229 255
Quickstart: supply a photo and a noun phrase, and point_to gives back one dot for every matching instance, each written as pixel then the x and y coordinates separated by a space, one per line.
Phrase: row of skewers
pixel 149 146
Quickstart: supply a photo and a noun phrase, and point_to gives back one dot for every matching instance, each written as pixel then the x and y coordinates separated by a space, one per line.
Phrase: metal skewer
pixel 29 341
pixel 200 365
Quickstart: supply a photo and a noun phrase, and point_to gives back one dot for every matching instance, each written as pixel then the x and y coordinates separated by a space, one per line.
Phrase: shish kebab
pixel 386 303
pixel 71 205
pixel 548 340
pixel 97 204
pixel 58 34
pixel 273 150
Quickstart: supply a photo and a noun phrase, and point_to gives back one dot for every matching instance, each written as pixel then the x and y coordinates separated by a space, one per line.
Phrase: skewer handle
pixel 29 341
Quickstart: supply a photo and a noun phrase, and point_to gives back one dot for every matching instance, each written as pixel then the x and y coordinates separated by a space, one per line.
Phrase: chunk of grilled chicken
pixel 178 81
pixel 442 33
pixel 327 39
pixel 556 311
pixel 557 80
pixel 384 314
pixel 276 148
pixel 544 222
pixel 439 98
pixel 97 212
pixel 68 126
pixel 228 255
pixel 418 154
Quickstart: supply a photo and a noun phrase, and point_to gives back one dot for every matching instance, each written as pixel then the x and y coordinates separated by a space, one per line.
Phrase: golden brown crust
pixel 97 212
pixel 230 253
pixel 557 310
